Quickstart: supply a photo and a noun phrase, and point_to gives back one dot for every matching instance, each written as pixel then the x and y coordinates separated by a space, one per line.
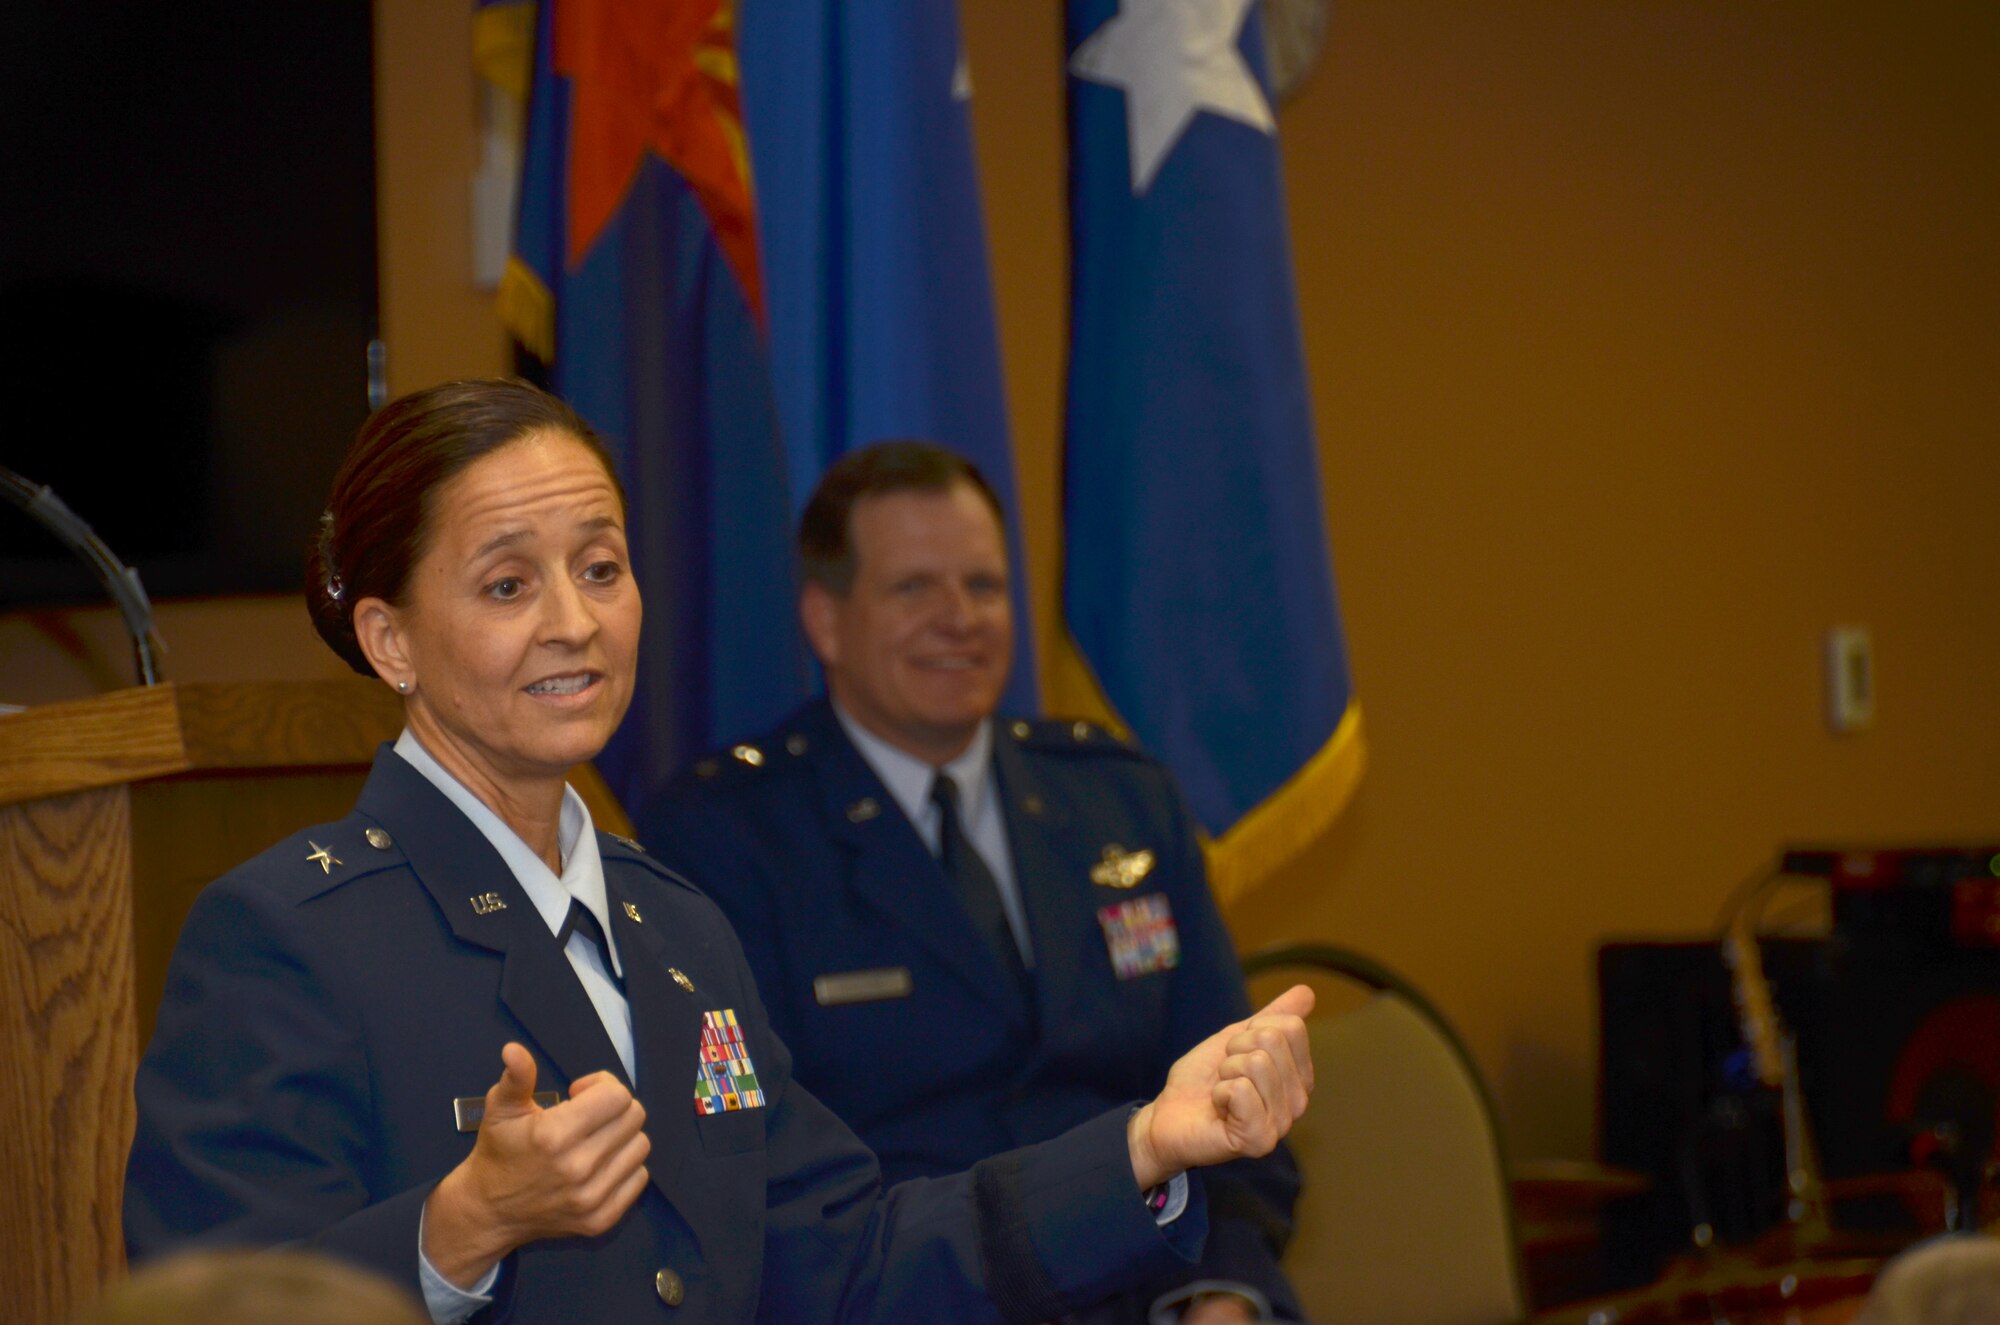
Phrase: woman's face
pixel 520 627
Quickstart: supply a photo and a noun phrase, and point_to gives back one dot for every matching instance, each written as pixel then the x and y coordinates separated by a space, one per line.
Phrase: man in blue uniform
pixel 973 932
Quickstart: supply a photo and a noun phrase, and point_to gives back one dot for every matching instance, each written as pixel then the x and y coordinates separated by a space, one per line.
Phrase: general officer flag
pixel 1197 578
pixel 635 278
pixel 874 245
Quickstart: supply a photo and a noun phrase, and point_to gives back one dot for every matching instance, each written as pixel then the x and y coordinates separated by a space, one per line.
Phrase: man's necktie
pixel 977 889
pixel 581 921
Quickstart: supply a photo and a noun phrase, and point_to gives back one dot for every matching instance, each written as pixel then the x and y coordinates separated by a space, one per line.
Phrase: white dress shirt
pixel 980 812
pixel 582 879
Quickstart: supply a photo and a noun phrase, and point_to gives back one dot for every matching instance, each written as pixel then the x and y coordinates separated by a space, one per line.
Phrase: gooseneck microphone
pixel 118 579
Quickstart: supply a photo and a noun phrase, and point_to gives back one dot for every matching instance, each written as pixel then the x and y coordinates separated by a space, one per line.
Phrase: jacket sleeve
pixel 1026 1236
pixel 1251 1200
pixel 253 1100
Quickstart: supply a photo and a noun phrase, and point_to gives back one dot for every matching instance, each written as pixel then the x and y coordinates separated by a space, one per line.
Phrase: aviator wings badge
pixel 1119 868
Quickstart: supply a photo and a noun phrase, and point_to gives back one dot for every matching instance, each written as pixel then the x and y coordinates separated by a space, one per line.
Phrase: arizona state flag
pixel 635 277
pixel 727 350
pixel 1198 583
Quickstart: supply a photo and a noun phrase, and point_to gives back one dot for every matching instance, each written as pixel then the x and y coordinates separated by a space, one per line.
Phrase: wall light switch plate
pixel 1850 679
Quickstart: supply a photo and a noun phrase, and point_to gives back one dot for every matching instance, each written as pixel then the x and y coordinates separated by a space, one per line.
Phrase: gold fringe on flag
pixel 503 46
pixel 528 310
pixel 1280 827
pixel 1291 818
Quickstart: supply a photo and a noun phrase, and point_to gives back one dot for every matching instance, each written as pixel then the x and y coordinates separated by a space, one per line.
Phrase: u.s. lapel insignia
pixel 1119 868
pixel 322 857
pixel 633 911
pixel 1141 936
pixel 863 810
pixel 485 904
pixel 725 1079
pixel 680 978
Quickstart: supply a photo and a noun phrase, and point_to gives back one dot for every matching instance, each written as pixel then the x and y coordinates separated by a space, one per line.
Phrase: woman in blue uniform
pixel 461 1038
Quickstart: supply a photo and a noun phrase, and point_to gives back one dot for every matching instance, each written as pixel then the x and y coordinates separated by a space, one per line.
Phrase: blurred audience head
pixel 1946 1281
pixel 254 1288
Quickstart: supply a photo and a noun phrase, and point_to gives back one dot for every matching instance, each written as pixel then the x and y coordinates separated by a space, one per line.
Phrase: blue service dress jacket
pixel 331 999
pixel 903 1020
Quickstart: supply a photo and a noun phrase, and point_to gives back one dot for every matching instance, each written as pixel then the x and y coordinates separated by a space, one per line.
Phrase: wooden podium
pixel 114 812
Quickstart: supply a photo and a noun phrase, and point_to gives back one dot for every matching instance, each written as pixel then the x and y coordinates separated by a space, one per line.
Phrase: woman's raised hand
pixel 569 1170
pixel 1233 1096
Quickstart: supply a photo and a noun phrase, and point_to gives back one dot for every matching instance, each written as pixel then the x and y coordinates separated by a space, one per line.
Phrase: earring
pixel 403 687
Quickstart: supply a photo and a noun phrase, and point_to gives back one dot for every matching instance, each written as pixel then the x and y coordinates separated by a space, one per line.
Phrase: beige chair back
pixel 1407 1216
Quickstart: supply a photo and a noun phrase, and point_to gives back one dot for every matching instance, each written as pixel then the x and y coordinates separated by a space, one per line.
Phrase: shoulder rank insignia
pixel 1120 868
pixel 322 857
pixel 725 1079
pixel 1141 936
pixel 1055 734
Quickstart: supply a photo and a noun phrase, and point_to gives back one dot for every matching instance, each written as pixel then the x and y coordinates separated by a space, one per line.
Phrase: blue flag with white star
pixel 1198 580
pixel 874 246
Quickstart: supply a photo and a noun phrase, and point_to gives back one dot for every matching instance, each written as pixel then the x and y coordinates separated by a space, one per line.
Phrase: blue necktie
pixel 581 921
pixel 978 891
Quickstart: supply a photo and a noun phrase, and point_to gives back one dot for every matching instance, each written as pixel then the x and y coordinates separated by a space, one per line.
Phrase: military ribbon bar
pixel 725 1080
pixel 1141 935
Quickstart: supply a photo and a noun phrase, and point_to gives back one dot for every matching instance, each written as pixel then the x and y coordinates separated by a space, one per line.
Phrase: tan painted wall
pixel 1648 340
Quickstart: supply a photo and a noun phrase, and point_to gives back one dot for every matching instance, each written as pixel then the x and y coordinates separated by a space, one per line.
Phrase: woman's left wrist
pixel 1146 1167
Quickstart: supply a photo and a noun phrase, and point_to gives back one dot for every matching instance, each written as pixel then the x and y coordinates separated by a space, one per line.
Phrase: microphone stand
pixel 1774 1052
pixel 118 579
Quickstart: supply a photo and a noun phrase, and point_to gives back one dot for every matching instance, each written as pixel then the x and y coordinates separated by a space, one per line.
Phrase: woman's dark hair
pixel 377 521
pixel 826 542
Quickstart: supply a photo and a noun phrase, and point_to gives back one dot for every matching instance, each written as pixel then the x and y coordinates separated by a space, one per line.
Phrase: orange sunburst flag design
pixel 656 76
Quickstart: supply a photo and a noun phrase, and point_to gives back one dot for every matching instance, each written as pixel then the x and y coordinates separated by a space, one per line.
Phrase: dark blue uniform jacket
pixel 321 1017
pixel 836 897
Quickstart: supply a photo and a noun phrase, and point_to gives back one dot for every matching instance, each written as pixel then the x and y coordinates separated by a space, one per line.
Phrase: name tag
pixel 870 986
pixel 468 1111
